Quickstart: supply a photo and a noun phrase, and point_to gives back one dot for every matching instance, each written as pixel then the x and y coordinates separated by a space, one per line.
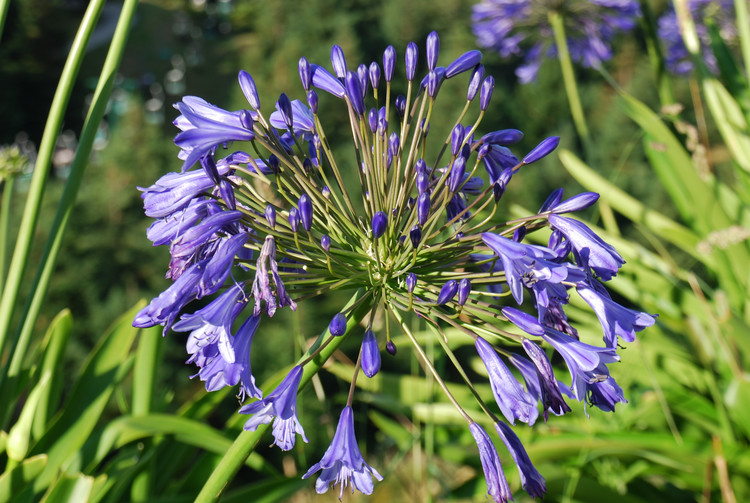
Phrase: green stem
pixel 743 30
pixel 247 440
pixel 7 195
pixel 571 88
pixel 73 183
pixel 4 4
pixel 41 170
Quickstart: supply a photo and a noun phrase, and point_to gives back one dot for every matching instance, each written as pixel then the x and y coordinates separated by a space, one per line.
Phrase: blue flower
pixel 532 481
pixel 412 234
pixel 590 250
pixel 522 28
pixel 342 462
pixel 497 484
pixel 720 13
pixel 514 402
pixel 615 319
pixel 281 407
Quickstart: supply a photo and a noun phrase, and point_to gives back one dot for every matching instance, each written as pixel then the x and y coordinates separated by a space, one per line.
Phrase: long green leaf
pixel 101 373
pixel 69 489
pixel 56 340
pixel 12 482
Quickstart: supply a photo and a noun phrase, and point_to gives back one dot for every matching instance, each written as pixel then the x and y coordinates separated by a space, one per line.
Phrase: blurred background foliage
pixel 682 437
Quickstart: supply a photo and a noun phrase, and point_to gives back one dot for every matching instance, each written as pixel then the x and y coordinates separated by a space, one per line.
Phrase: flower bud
pixel 374 72
pixel 389 60
pixel 271 216
pixel 486 93
pixel 337 326
pixel 457 139
pixel 411 60
pixel 423 181
pixel 411 282
pixel 415 234
pixel 502 137
pixel 463 63
pixel 273 163
pixel 456 178
pixel 433 49
pixel 312 101
pixel 338 61
pixel 325 242
pixel 362 75
pixel 435 80
pixel 400 105
pixel 246 119
pixel 354 92
pixel 464 289
pixel 284 107
pixel 475 83
pixel 304 73
pixel 247 84
pixel 294 219
pixel 519 234
pixel 305 211
pixel 227 194
pixel 326 191
pixel 423 207
pixel 552 200
pixel 391 348
pixel 576 203
pixel 524 321
pixel 370 354
pixel 209 166
pixel 544 148
pixel 447 292
pixel 379 223
pixel 394 144
pixel 372 120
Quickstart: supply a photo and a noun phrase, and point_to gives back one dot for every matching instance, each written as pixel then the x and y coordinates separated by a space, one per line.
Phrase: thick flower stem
pixel 571 88
pixel 246 441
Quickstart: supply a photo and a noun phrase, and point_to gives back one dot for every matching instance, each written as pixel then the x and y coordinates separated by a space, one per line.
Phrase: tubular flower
pixel 413 231
pixel 522 28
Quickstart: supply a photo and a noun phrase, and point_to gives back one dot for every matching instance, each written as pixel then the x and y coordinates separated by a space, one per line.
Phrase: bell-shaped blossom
pixel 281 407
pixel 585 362
pixel 514 402
pixel 551 396
pixel 615 319
pixel 370 354
pixel 174 192
pixel 591 250
pixel 531 480
pixel 342 462
pixel 213 324
pixel 164 309
pixel 497 484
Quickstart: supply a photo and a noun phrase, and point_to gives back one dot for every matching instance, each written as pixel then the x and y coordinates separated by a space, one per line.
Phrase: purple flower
pixel 513 401
pixel 526 265
pixel 242 341
pixel 586 363
pixel 720 13
pixel 522 28
pixel 342 462
pixel 174 192
pixel 281 407
pixel 615 319
pixel 551 396
pixel 497 484
pixel 262 286
pixel 590 250
pixel 531 479
pixel 165 308
pixel 370 354
pixel 205 126
pixel 212 325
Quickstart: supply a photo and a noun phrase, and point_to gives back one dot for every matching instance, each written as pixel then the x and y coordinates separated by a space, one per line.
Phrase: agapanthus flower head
pixel 410 228
pixel 705 13
pixel 522 28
